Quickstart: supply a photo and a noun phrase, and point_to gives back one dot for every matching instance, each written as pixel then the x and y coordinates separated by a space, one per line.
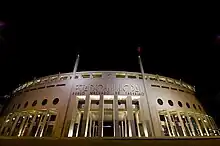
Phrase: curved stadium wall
pixel 106 104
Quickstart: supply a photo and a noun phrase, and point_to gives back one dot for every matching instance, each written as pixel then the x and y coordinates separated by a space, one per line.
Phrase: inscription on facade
pixel 112 89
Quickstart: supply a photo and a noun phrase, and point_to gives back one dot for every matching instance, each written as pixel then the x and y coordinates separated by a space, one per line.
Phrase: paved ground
pixel 29 141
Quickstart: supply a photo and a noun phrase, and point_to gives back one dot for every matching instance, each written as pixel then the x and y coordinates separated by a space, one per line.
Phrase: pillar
pixel 85 120
pixel 115 116
pixel 101 116
pixel 130 117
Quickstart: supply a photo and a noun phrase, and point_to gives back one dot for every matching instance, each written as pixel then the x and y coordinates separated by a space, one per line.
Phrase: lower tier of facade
pixel 42 123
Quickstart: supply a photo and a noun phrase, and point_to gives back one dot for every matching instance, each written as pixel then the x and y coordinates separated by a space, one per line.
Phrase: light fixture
pixel 120 97
pixel 135 97
pixel 94 97
pixel 108 97
pixel 81 97
pixel 38 115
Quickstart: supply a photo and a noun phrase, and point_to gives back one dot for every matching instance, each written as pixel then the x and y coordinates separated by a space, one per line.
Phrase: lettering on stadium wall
pixel 113 89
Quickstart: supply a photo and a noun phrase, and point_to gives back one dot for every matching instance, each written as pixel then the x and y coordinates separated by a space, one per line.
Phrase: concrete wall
pixel 108 82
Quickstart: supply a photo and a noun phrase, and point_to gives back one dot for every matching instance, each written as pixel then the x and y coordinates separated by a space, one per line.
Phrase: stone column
pixel 130 117
pixel 85 120
pixel 144 118
pixel 191 125
pixel 73 116
pixel 4 124
pixel 101 116
pixel 171 124
pixel 32 124
pixel 115 116
pixel 182 125
pixel 197 122
pixel 15 123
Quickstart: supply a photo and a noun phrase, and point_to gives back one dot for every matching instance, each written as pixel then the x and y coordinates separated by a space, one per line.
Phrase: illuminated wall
pixel 106 104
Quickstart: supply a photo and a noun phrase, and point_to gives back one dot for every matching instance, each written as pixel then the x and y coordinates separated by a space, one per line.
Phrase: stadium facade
pixel 106 104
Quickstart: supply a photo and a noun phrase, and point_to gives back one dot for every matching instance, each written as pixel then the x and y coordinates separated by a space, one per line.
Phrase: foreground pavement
pixel 181 141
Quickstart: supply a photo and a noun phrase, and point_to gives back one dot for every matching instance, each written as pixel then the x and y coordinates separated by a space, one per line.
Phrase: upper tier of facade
pixel 102 74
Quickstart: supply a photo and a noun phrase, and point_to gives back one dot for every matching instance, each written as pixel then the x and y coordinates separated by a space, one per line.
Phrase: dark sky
pixel 178 44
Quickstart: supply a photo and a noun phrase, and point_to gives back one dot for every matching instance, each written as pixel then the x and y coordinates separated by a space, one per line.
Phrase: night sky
pixel 180 45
